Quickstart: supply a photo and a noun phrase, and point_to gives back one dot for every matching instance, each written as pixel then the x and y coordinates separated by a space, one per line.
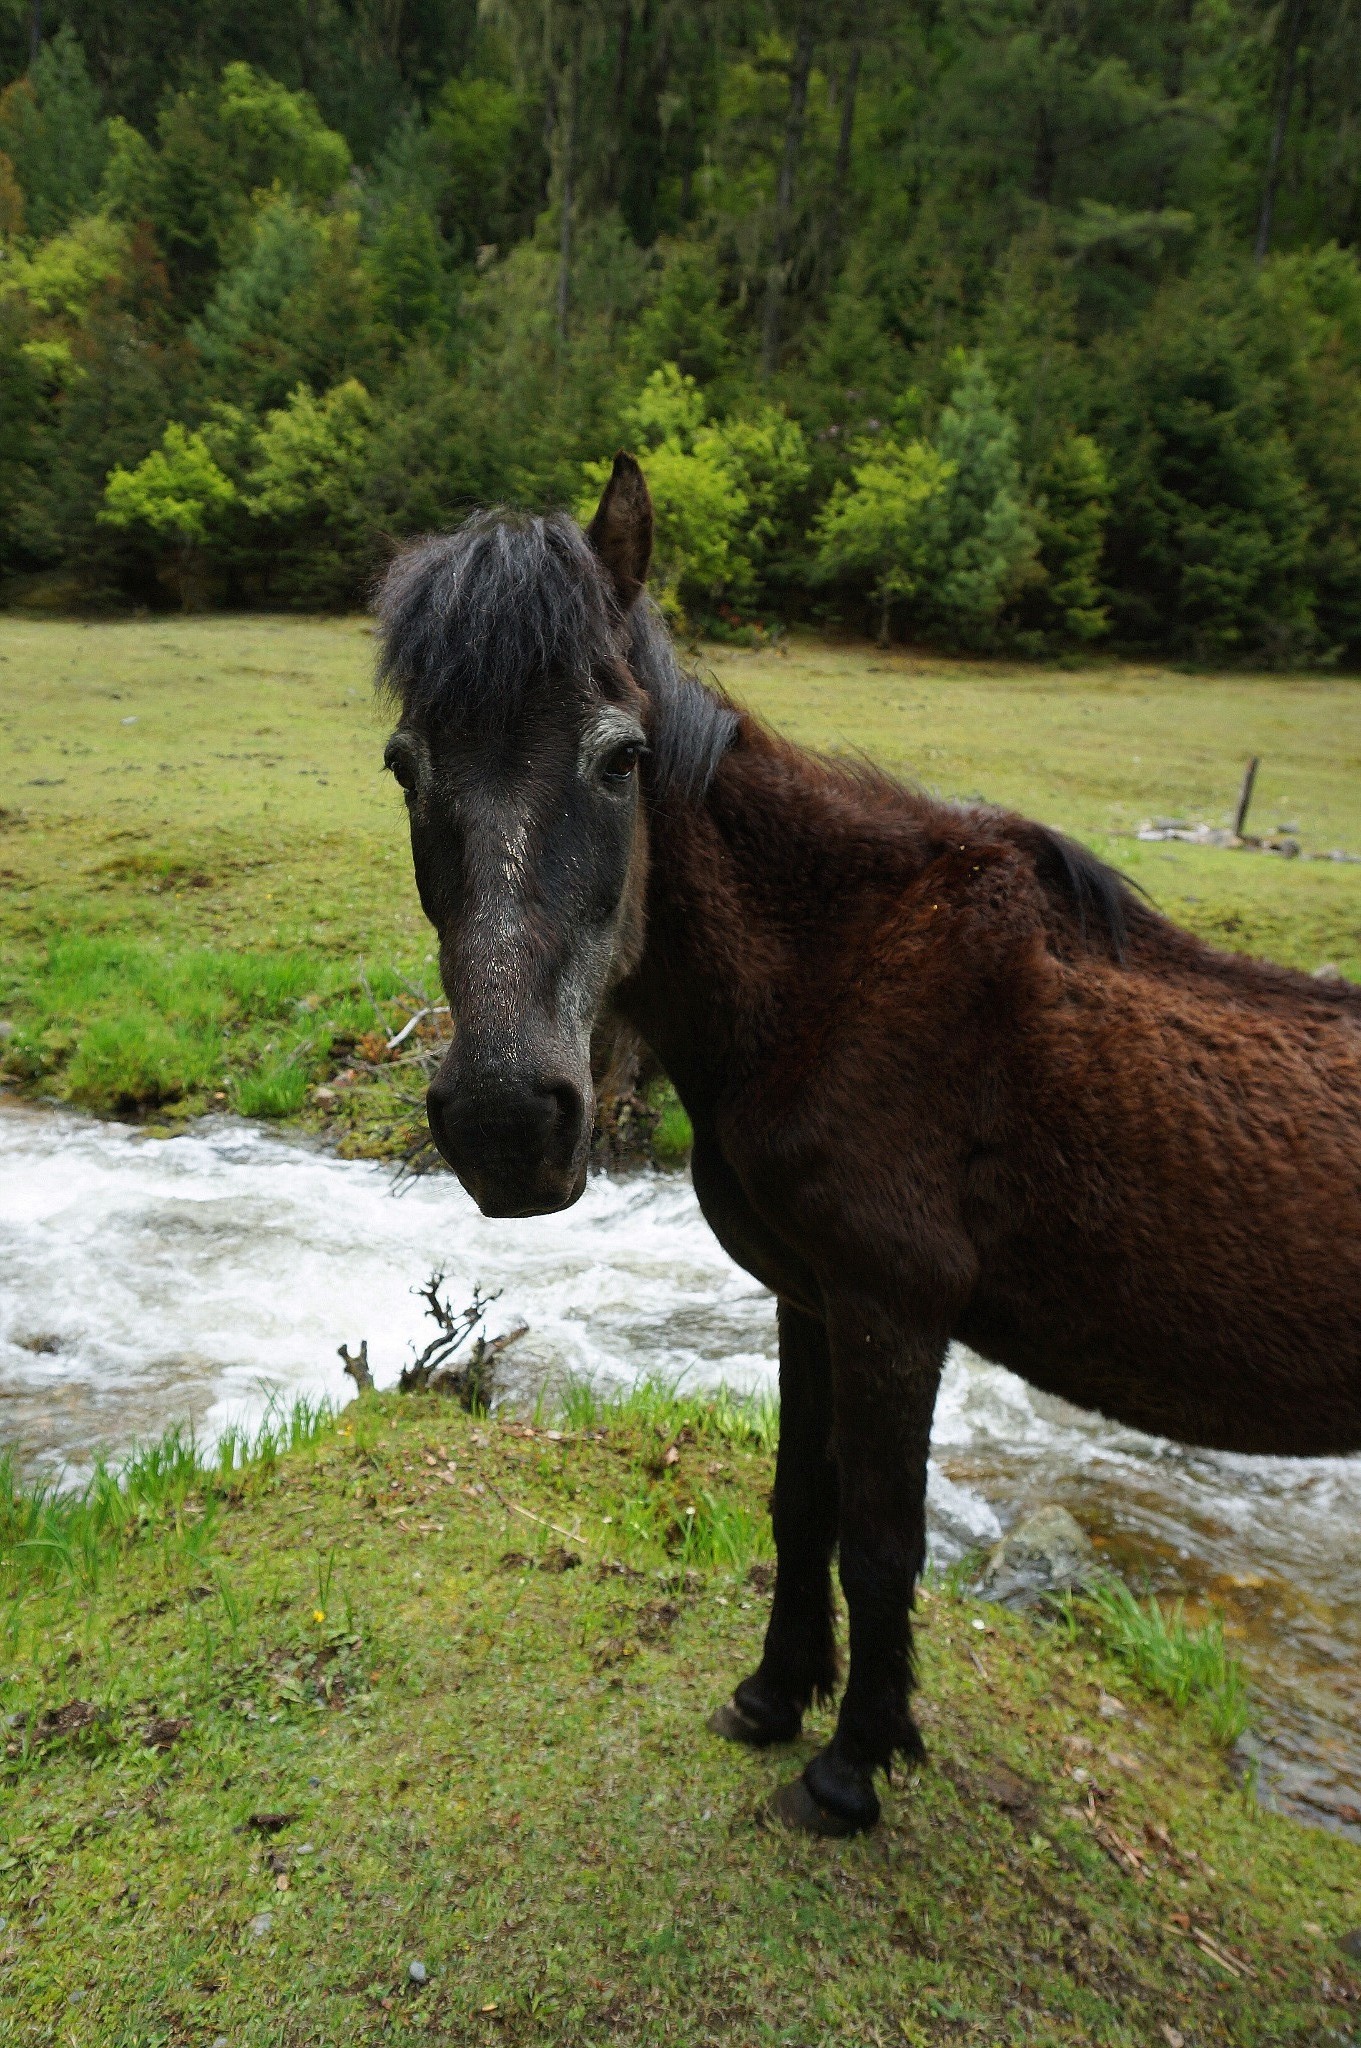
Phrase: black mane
pixel 691 727
pixel 1104 902
pixel 475 623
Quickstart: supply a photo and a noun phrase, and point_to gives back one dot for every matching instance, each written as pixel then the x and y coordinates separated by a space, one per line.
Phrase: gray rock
pixel 261 1924
pixel 1046 1552
pixel 416 1972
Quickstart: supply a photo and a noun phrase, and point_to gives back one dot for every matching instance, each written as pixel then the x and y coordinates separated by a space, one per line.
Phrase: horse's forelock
pixel 473 623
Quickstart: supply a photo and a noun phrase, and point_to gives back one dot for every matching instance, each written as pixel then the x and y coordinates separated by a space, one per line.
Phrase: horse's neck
pixel 745 894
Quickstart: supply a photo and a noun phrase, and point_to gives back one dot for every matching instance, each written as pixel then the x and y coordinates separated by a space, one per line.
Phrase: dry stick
pixel 511 1509
pixel 1240 816
pixel 430 1010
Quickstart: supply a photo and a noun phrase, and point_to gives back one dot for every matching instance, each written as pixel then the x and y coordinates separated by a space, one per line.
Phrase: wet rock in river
pixel 1045 1553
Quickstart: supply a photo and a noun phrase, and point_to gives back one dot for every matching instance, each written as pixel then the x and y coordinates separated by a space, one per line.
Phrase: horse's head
pixel 507 646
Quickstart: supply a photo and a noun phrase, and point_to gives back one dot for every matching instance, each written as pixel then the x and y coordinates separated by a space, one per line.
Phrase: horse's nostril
pixel 568 1100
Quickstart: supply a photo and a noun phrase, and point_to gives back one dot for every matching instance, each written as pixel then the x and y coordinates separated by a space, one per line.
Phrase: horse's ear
pixel 621 532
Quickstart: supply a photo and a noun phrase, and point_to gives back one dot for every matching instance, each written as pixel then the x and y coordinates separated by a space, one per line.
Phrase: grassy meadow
pixel 205 892
pixel 413 1690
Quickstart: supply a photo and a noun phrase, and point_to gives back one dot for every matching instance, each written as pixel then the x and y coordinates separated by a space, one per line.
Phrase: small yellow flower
pixel 318 1614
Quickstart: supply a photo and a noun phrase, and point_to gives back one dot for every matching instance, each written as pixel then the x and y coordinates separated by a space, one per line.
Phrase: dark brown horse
pixel 948 1077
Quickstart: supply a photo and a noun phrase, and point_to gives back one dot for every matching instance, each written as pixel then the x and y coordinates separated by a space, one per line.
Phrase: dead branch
pixel 357 1365
pixel 439 1368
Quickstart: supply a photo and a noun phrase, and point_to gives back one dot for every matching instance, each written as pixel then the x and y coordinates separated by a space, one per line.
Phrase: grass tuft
pixel 1185 1663
pixel 135 1061
pixel 172 1487
pixel 655 1404
pixel 278 1089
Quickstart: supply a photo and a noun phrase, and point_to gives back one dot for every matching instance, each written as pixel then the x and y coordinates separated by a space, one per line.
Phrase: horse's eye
pixel 398 759
pixel 619 765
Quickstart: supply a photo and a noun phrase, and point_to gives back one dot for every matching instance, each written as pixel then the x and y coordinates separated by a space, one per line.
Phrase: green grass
pixel 52 1532
pixel 328 1710
pixel 210 905
pixel 1185 1662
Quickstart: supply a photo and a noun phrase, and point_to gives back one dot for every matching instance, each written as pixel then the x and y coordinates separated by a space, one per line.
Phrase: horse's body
pixel 948 1078
pixel 1133 1176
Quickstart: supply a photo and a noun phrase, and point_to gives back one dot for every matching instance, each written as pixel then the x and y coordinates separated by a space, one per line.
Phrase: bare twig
pixel 569 1535
pixel 439 1369
pixel 430 1010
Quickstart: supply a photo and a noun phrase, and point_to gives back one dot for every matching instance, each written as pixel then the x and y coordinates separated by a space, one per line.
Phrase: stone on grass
pixel 1045 1553
pixel 416 1972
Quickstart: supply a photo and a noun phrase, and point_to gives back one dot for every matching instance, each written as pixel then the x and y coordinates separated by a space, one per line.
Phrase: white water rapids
pixel 147 1281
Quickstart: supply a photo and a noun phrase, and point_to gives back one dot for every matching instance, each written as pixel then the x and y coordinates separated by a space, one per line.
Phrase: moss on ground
pixel 356 1708
pixel 205 889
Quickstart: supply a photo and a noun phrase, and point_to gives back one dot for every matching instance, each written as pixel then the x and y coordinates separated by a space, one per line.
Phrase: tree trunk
pixel 614 146
pixel 847 129
pixel 1286 93
pixel 567 140
pixel 1043 167
pixel 841 172
pixel 799 70
pixel 35 32
pixel 1178 38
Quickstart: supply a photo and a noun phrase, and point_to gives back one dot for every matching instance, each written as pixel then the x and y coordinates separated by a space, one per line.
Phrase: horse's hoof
pixel 795 1807
pixel 733 1725
pixel 842 1788
pixel 753 1718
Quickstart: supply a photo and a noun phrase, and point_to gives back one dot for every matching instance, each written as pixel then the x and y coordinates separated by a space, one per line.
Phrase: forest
pixel 1022 324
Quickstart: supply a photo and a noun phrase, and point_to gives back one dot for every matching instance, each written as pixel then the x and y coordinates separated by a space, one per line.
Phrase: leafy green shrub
pixel 1074 503
pixel 718 489
pixel 176 493
pixel 1211 517
pixel 943 527
pixel 884 524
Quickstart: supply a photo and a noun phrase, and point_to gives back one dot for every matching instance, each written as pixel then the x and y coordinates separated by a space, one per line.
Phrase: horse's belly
pixel 1206 1355
pixel 1173 1236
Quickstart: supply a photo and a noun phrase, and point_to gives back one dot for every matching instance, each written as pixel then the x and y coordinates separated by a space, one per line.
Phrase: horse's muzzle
pixel 519 1145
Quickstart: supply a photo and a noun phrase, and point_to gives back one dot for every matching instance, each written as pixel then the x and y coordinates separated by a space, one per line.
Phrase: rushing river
pixel 148 1281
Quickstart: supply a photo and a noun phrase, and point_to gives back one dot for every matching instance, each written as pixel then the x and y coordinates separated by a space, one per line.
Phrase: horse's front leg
pixel 799 1660
pixel 885 1381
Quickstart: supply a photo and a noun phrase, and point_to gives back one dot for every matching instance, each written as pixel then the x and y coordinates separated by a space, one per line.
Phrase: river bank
pixel 198 1280
pixel 429 1691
